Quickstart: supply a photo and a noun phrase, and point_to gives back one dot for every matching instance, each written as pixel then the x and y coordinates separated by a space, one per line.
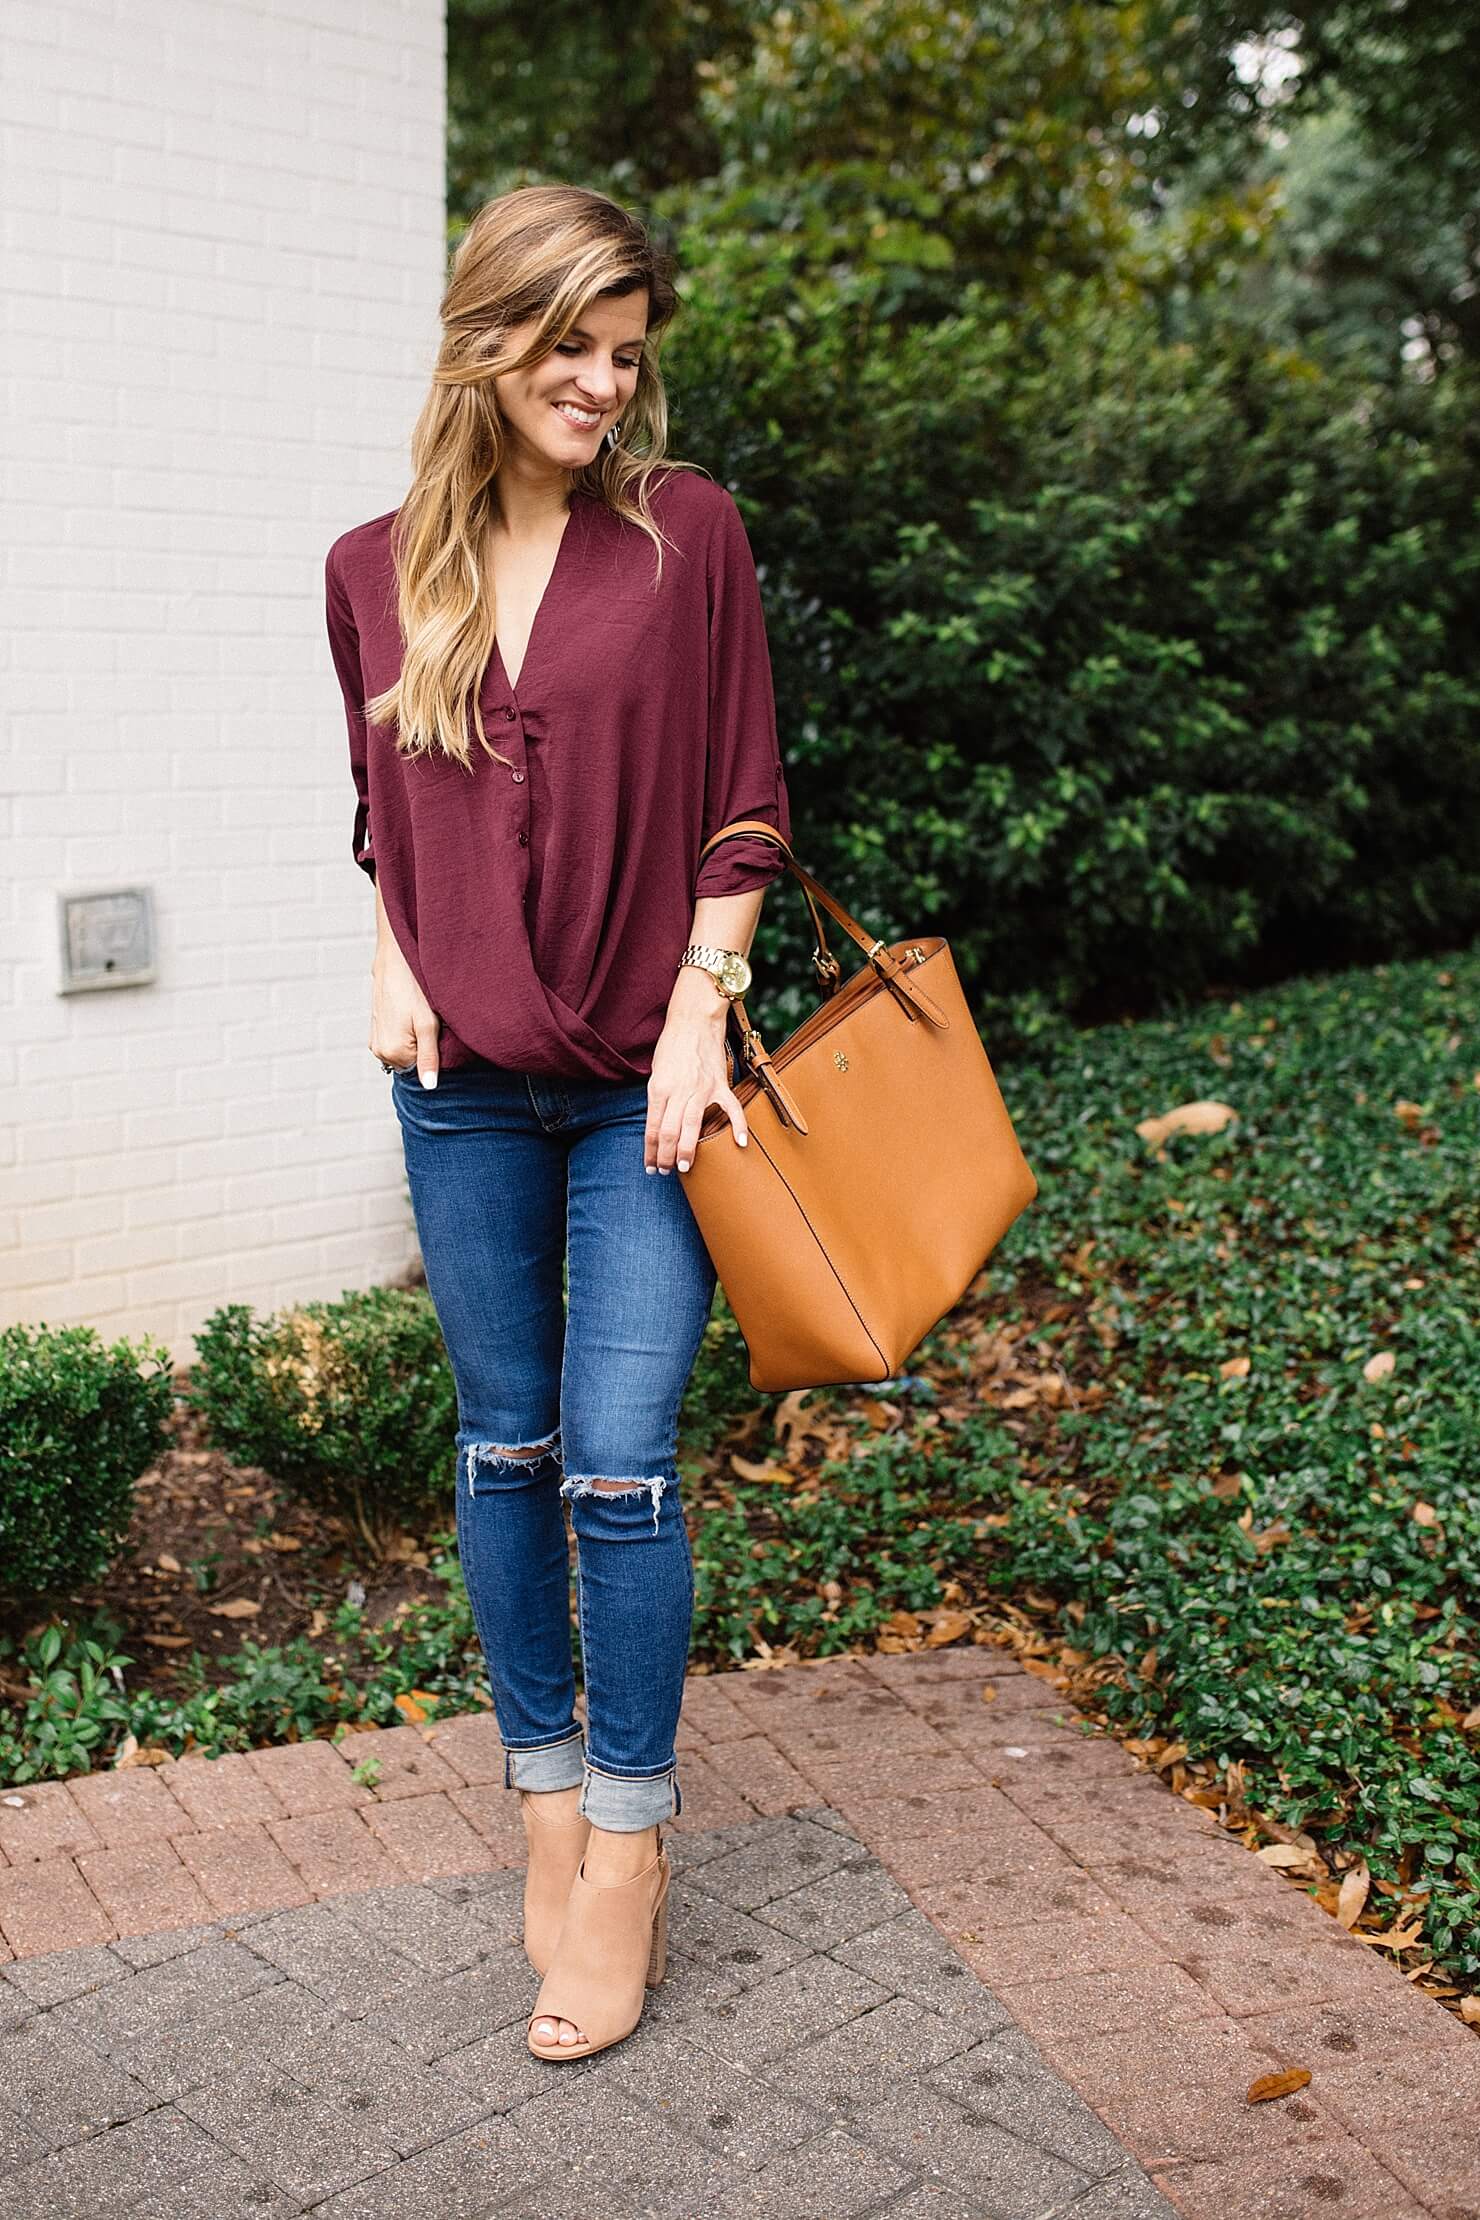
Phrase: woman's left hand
pixel 689 1072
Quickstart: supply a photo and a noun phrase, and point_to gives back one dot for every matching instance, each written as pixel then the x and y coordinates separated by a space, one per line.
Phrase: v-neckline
pixel 534 622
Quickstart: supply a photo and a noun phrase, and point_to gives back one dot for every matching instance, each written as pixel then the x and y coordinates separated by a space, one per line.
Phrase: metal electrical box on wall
pixel 107 939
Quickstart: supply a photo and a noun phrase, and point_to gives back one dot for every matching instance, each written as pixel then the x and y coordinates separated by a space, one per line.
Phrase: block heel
pixel 658 1955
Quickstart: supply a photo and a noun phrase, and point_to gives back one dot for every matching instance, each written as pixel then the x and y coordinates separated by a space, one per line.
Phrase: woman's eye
pixel 568 347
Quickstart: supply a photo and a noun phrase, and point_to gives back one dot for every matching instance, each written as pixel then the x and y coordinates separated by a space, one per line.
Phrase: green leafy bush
pixel 78 1423
pixel 351 1404
pixel 1133 667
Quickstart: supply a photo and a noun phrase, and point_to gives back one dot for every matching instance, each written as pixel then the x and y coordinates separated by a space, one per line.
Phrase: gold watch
pixel 725 966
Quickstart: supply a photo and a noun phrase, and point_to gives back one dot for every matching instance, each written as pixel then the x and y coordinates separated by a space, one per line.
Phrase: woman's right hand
pixel 404 1027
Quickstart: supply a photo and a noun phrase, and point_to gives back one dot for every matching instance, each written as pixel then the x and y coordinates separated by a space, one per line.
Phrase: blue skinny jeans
pixel 512 1176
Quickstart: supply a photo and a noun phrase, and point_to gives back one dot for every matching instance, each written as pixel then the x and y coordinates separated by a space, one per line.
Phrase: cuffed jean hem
pixel 551 1765
pixel 624 1805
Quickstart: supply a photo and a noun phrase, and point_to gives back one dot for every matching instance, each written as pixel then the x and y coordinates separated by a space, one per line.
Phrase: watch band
pixel 716 962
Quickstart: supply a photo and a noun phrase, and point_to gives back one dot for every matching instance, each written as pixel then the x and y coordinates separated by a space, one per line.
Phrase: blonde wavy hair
pixel 542 253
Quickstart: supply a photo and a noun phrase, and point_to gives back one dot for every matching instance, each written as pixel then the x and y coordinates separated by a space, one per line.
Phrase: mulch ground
pixel 219 1550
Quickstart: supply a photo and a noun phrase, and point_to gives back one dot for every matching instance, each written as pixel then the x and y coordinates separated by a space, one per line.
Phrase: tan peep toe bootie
pixel 613 1947
pixel 556 1847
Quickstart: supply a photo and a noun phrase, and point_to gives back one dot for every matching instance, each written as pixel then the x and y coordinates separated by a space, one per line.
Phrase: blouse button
pixel 509 714
pixel 518 778
pixel 523 838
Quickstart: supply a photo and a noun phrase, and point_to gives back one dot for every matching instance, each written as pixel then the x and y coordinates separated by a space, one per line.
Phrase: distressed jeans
pixel 514 1177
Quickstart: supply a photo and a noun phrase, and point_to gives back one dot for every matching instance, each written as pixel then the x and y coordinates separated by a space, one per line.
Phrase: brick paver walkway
pixel 256 1985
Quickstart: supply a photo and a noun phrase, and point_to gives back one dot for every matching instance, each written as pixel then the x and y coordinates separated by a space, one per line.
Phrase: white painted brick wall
pixel 223 241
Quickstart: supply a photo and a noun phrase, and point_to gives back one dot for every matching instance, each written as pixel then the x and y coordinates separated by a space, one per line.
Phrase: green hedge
pixel 78 1423
pixel 1133 667
pixel 351 1404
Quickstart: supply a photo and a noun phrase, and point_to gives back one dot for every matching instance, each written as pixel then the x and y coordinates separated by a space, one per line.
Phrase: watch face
pixel 735 973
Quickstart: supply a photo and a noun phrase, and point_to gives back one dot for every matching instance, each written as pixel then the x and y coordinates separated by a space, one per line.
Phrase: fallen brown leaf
pixel 1379 1366
pixel 146 1753
pixel 240 1607
pixel 1283 2084
pixel 948 1628
pixel 777 1475
pixel 1188 1117
pixel 792 1421
pixel 1352 1897
pixel 1390 1938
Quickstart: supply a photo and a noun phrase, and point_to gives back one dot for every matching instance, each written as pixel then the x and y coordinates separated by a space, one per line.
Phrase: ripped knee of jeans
pixel 504 1458
pixel 585 1484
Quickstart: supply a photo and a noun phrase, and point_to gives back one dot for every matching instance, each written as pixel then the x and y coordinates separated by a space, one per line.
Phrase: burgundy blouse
pixel 543 908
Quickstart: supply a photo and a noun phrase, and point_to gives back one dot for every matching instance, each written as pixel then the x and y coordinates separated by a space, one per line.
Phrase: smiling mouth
pixel 584 420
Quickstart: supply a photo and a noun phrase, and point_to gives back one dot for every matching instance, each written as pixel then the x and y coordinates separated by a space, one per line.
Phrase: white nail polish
pixel 683 1163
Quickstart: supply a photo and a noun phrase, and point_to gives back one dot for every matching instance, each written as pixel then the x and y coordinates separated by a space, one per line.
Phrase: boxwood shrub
pixel 78 1423
pixel 351 1404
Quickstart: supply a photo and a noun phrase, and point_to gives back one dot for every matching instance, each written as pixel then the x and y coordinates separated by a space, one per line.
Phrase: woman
pixel 556 677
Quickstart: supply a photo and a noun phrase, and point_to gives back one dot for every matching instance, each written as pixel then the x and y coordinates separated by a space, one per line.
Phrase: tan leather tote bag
pixel 882 1168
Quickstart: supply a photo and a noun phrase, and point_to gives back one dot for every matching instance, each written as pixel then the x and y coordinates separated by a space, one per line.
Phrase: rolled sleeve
pixel 344 646
pixel 743 771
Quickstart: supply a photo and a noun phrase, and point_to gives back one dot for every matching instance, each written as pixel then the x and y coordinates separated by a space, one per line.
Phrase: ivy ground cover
pixel 1270 1526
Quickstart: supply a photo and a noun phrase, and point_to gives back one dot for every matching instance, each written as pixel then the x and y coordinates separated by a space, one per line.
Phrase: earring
pixel 613 434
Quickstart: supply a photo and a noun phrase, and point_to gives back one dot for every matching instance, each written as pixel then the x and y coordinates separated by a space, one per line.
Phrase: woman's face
pixel 559 410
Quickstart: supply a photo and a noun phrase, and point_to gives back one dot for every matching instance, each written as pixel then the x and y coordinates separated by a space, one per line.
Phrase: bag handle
pixel 752 1050
pixel 825 963
pixel 894 974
